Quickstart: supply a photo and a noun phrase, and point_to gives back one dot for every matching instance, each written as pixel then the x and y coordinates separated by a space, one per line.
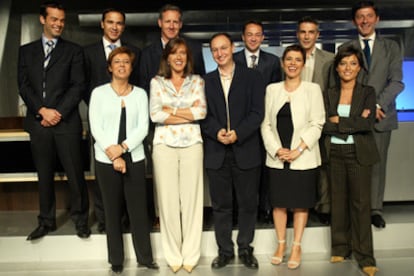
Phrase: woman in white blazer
pixel 294 117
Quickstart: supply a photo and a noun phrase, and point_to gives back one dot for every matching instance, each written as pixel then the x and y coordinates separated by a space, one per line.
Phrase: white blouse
pixel 163 93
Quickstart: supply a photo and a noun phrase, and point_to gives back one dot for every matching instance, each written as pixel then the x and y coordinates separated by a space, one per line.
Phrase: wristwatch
pixel 300 149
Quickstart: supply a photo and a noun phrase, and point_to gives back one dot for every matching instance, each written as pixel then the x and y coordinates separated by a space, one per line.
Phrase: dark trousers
pixel 130 189
pixel 46 146
pixel 244 183
pixel 351 205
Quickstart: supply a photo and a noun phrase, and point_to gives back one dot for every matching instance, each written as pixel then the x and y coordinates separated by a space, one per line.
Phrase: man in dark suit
pixel 317 70
pixel 269 66
pixel 96 55
pixel 382 70
pixel 170 23
pixel 51 82
pixel 235 96
pixel 113 26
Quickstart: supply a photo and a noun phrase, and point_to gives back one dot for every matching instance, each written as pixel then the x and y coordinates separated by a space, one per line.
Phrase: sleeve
pixel 358 124
pixel 317 117
pixel 386 97
pixel 251 122
pixel 271 139
pixel 97 119
pixel 136 135
pixel 76 85
pixel 156 113
pixel 28 94
pixel 199 112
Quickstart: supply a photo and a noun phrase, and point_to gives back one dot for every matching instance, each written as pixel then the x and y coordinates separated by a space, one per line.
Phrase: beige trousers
pixel 178 176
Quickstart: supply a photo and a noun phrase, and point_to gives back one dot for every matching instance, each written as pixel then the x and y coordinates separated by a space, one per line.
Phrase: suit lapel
pixel 357 101
pixel 377 52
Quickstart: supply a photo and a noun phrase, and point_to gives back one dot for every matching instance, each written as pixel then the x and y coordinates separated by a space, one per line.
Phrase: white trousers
pixel 178 174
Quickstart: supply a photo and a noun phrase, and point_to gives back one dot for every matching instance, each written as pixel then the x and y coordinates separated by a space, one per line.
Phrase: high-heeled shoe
pixel 295 263
pixel 277 259
pixel 188 268
pixel 175 268
pixel 370 270
pixel 337 259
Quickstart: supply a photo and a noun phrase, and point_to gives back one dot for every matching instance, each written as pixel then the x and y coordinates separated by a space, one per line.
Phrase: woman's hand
pixel 119 165
pixel 334 119
pixel 365 113
pixel 114 151
pixel 283 154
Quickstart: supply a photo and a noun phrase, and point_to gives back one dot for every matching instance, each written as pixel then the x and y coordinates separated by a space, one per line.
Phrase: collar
pixel 371 37
pixel 45 39
pixel 248 53
pixel 106 43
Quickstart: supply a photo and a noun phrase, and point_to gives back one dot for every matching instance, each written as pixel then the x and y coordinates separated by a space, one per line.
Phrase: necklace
pixel 121 93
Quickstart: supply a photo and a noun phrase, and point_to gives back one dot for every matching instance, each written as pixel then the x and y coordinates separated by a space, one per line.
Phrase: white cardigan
pixel 104 118
pixel 308 117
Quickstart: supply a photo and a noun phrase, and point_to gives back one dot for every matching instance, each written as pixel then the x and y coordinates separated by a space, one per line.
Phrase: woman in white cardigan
pixel 294 117
pixel 118 114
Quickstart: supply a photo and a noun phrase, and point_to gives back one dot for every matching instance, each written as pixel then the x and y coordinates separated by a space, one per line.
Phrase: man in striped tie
pixel 52 95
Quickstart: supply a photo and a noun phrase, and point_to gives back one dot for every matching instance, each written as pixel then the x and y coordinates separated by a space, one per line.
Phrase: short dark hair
pixel 121 50
pixel 221 34
pixel 105 12
pixel 255 22
pixel 50 4
pixel 363 4
pixel 170 7
pixel 295 48
pixel 348 51
pixel 170 48
pixel 307 19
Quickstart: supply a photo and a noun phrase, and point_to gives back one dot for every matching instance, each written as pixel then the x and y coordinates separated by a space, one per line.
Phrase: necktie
pixel 367 52
pixel 253 61
pixel 49 48
pixel 112 46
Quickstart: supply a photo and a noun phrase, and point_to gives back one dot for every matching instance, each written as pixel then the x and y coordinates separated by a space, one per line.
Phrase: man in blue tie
pixel 382 70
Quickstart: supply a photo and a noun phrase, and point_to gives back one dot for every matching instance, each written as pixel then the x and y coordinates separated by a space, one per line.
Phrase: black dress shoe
pixel 152 265
pixel 248 260
pixel 40 231
pixel 378 221
pixel 83 231
pixel 117 269
pixel 221 261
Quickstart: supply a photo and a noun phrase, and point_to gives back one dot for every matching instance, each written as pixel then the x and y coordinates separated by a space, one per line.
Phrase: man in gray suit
pixel 383 71
pixel 318 63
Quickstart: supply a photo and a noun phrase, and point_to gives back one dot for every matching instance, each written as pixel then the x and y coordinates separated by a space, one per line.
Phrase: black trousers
pixel 130 189
pixel 351 205
pixel 244 183
pixel 46 146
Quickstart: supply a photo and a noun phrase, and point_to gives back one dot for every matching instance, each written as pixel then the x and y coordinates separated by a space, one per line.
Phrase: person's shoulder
pixel 69 44
pixel 30 44
pixel 325 53
pixel 130 46
pixel 93 46
pixel 269 55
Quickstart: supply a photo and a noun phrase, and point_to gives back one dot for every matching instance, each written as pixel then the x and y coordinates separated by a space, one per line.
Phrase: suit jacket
pixel 96 66
pixel 385 75
pixel 321 71
pixel 308 117
pixel 245 101
pixel 151 57
pixel 268 65
pixel 65 83
pixel 360 128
